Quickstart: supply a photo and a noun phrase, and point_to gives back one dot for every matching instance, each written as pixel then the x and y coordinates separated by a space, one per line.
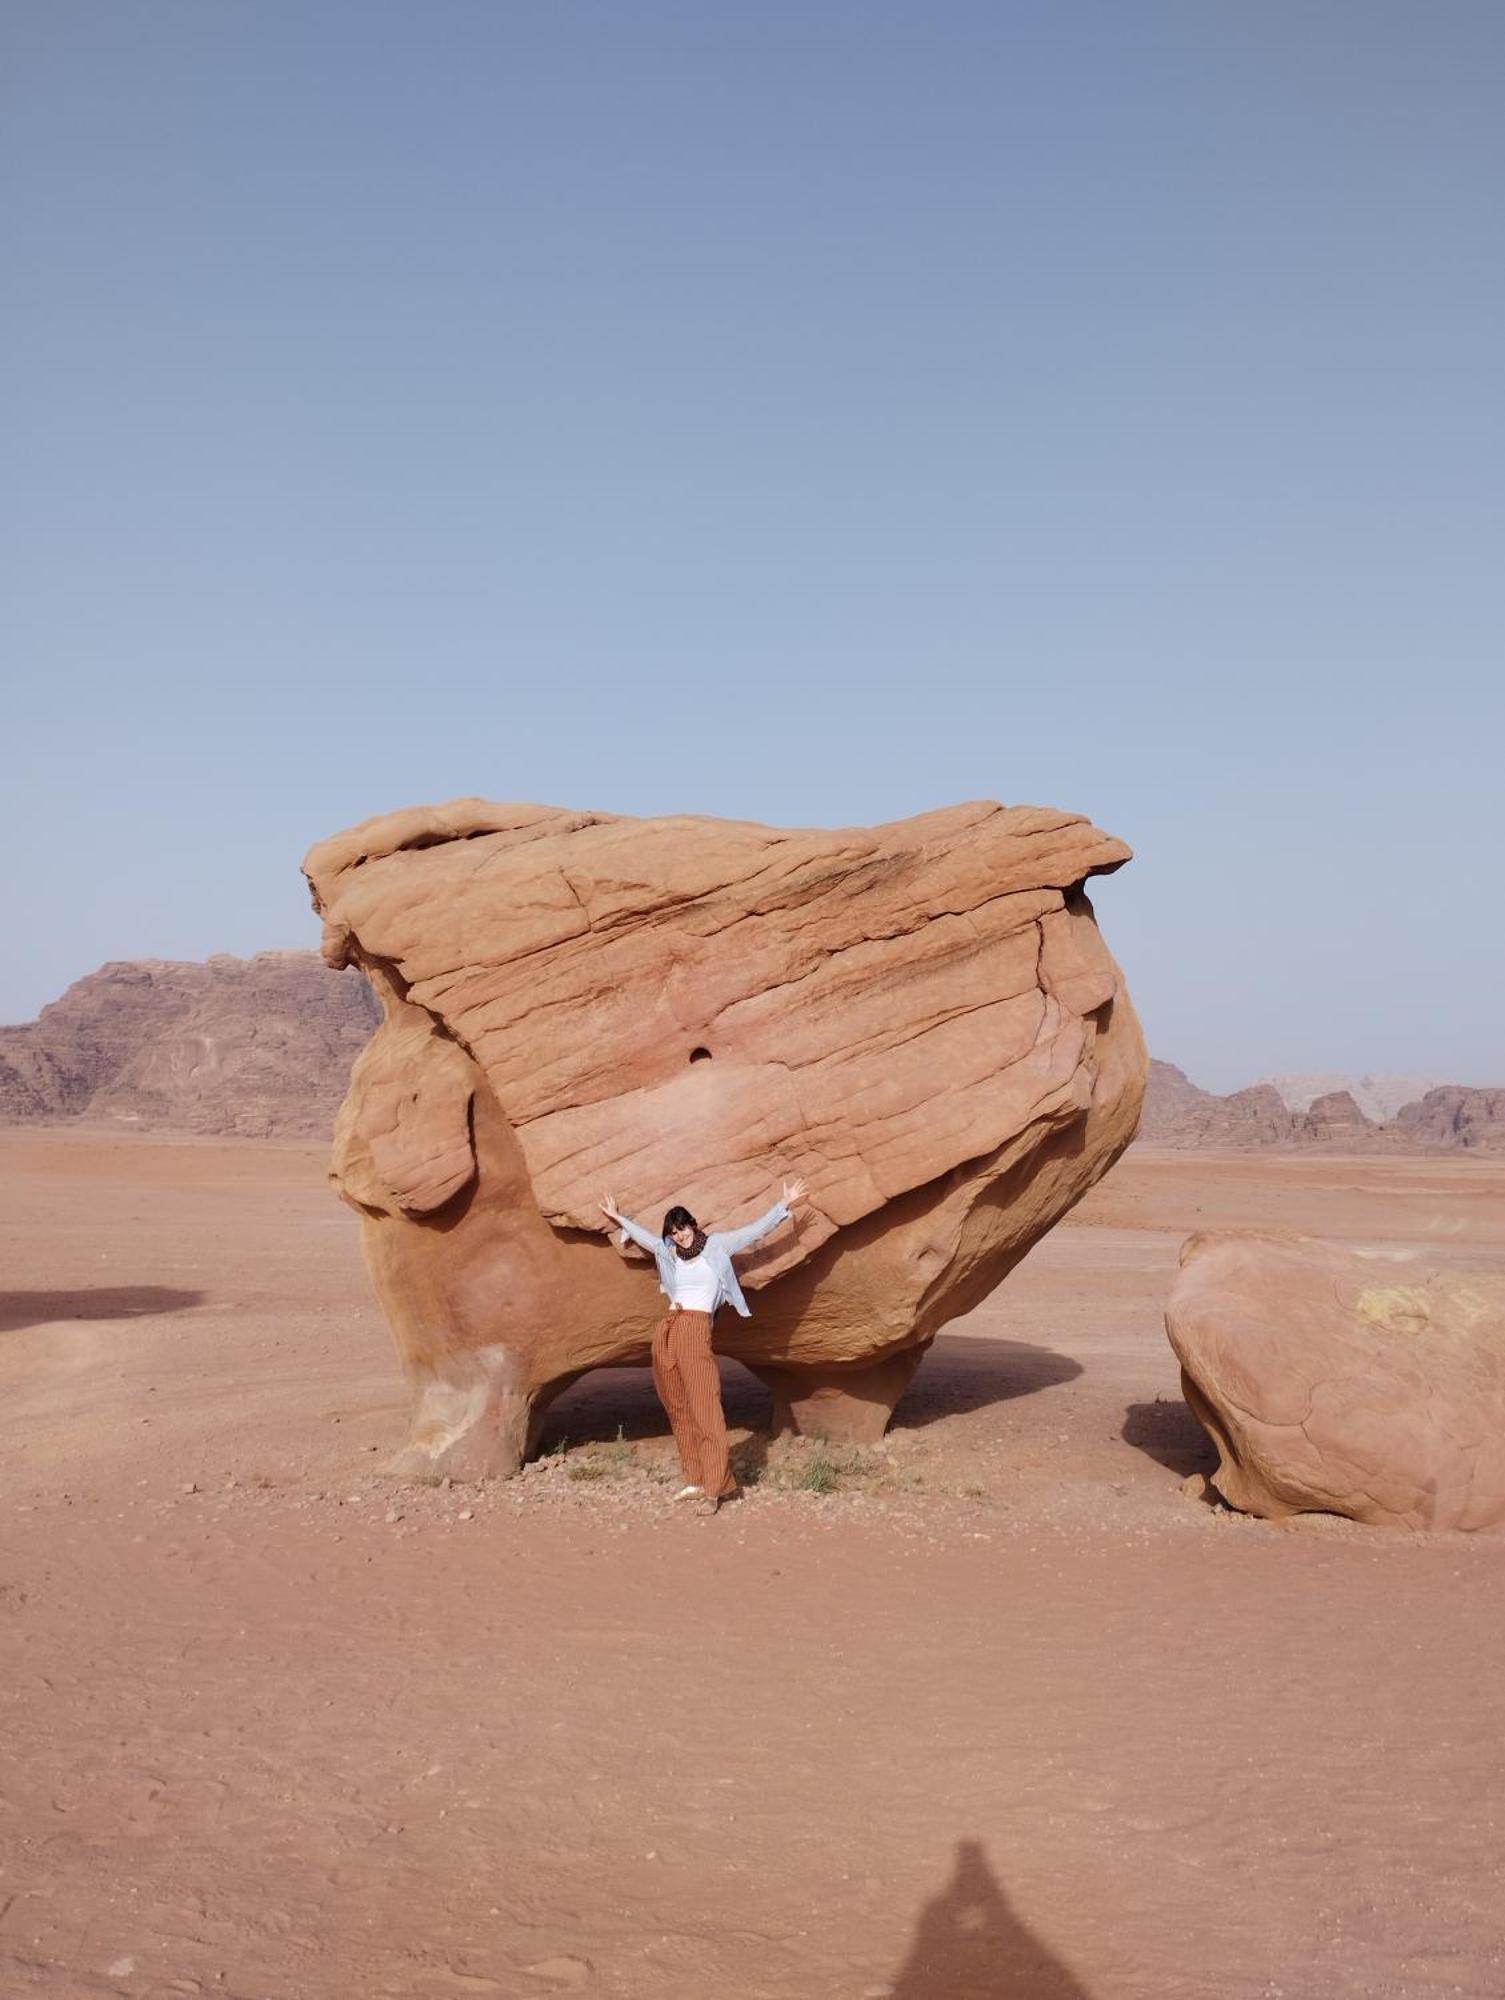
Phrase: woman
pixel 696 1275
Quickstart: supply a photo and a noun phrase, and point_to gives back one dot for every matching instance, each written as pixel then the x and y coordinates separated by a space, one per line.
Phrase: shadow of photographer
pixel 969 1945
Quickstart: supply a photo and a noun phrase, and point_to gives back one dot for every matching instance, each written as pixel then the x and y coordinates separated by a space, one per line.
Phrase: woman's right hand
pixel 609 1209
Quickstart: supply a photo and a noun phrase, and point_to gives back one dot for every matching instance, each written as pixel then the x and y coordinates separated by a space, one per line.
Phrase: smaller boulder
pixel 1337 1382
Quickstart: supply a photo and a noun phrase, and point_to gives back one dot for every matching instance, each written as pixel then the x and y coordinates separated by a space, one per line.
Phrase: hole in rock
pixel 700 1055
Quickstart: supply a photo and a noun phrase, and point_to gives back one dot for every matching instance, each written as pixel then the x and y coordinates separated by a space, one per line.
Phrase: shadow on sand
pixel 612 1402
pixel 18 1309
pixel 969 1945
pixel 1170 1434
pixel 966 1372
pixel 960 1373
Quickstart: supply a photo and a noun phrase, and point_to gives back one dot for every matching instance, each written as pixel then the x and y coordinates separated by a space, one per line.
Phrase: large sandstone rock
pixel 921 1019
pixel 1340 1383
pixel 258 1046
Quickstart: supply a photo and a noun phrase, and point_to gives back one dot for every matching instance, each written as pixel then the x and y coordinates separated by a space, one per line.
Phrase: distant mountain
pixel 257 1046
pixel 1178 1113
pixel 1378 1097
pixel 1450 1118
pixel 262 1047
pixel 1456 1117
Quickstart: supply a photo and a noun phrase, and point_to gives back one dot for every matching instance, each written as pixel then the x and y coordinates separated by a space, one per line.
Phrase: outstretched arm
pixel 733 1240
pixel 644 1238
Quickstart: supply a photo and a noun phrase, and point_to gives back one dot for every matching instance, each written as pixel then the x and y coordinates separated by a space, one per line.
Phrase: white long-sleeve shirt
pixel 720 1247
pixel 696 1287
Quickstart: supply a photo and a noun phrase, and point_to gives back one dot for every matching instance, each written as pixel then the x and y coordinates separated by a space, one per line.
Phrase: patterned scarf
pixel 687 1256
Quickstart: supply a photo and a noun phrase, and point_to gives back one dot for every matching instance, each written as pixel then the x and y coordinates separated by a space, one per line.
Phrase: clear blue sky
pixel 809 412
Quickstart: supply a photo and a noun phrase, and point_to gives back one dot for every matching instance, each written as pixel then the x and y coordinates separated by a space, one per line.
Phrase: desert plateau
pixel 999 1706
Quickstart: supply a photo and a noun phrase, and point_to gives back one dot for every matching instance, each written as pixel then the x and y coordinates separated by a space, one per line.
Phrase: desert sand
pixel 1005 1714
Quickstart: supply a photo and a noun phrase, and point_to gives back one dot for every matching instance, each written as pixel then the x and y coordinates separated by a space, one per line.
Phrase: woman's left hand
pixel 794 1191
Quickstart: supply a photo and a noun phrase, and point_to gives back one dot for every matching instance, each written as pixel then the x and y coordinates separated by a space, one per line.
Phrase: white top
pixel 697 1289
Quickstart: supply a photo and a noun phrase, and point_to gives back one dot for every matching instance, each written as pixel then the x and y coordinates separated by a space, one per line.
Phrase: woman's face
pixel 683 1236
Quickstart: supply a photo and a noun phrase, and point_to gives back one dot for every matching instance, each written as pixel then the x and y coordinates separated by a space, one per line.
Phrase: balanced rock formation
pixel 260 1047
pixel 921 1019
pixel 1342 1383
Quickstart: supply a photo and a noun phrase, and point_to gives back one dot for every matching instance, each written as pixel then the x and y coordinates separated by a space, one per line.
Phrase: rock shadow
pixel 92 1302
pixel 959 1373
pixel 1166 1431
pixel 966 1372
pixel 612 1402
pixel 969 1945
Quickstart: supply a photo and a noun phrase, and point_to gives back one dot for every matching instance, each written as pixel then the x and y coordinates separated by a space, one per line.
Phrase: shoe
pixel 690 1493
pixel 712 1503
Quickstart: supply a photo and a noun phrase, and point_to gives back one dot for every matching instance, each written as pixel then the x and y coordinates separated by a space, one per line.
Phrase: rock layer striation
pixel 921 1019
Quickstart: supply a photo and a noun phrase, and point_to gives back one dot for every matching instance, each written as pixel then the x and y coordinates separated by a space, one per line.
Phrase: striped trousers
pixel 684 1374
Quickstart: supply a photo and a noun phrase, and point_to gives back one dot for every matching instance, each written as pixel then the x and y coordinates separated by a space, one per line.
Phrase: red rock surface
pixel 1344 1382
pixel 920 1019
pixel 258 1046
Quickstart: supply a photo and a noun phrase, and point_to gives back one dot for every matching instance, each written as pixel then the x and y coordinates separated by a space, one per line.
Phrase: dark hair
pixel 679 1218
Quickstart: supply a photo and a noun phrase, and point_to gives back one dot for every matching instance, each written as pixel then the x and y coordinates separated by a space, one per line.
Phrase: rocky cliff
pixel 1452 1118
pixel 1456 1117
pixel 259 1046
pixel 1177 1113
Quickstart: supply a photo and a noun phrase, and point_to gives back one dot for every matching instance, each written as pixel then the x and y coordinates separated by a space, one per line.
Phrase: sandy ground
pixel 1006 1714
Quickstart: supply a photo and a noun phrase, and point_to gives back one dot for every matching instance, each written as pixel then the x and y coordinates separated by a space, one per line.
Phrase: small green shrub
pixel 820 1472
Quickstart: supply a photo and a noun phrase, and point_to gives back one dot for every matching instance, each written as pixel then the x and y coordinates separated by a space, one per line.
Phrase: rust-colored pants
pixel 684 1374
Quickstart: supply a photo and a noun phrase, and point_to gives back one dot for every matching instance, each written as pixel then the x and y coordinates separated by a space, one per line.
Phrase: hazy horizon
pixel 814 415
pixel 1331 1077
